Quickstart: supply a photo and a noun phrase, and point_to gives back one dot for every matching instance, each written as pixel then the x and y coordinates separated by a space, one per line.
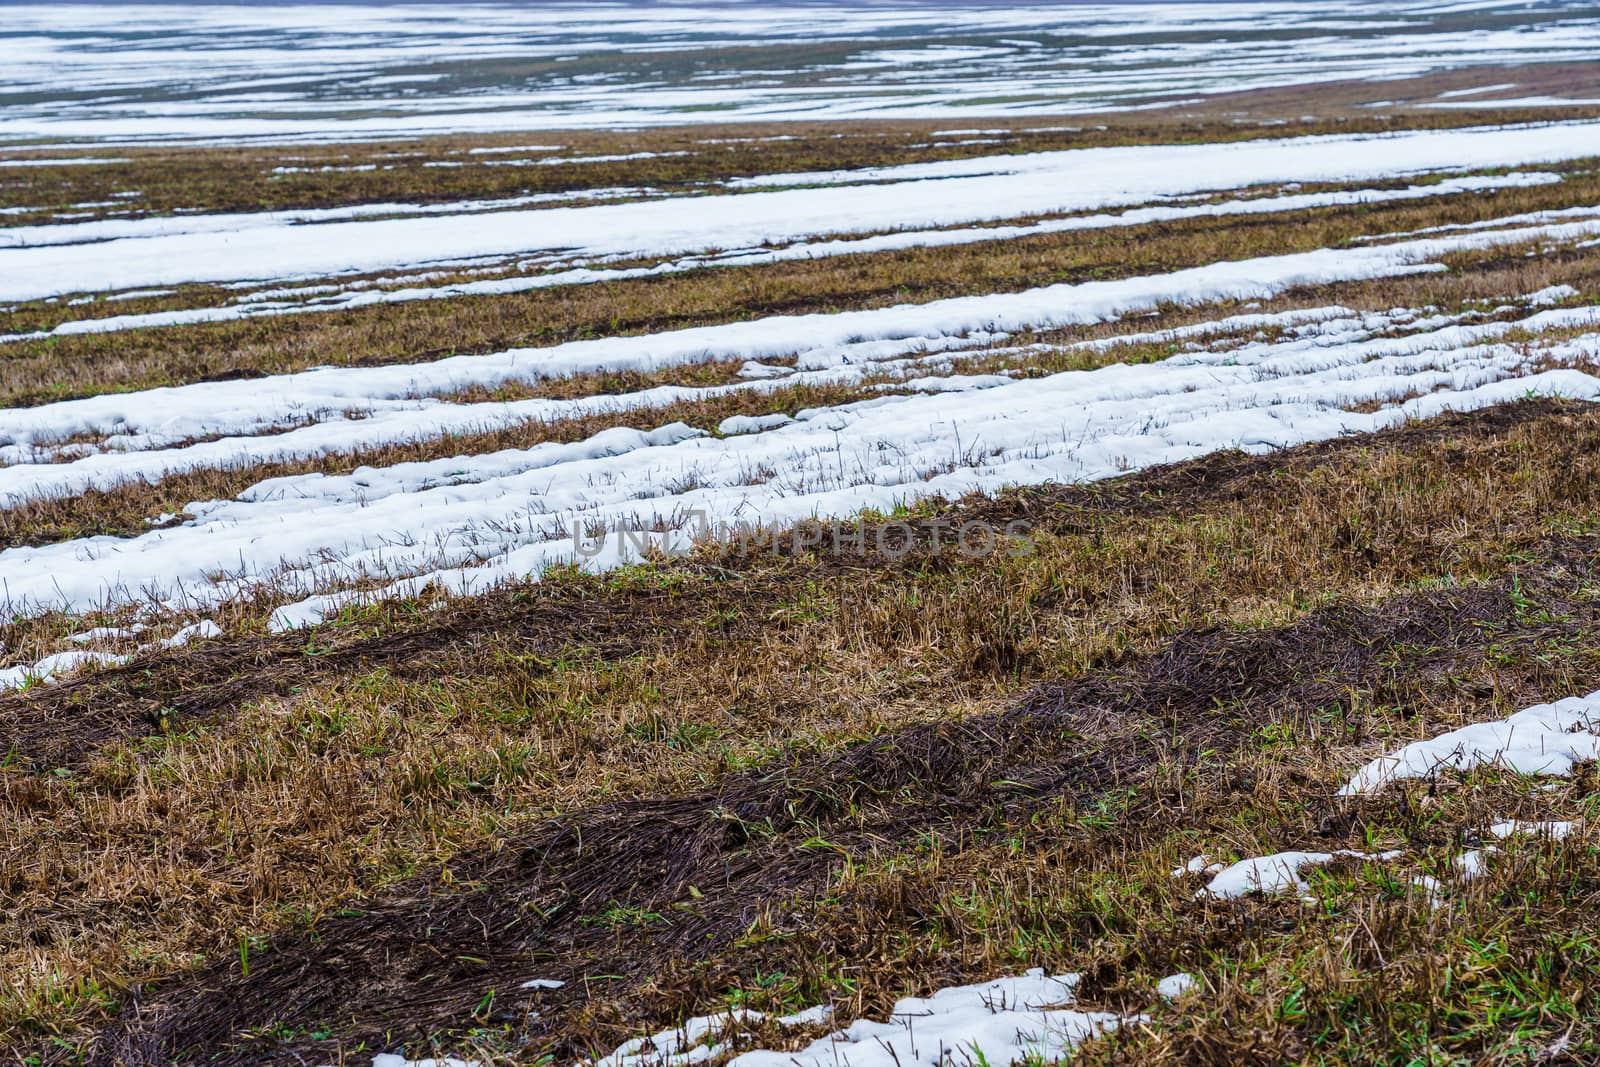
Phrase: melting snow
pixel 1544 739
pixel 1277 873
pixel 468 522
pixel 1174 986
pixel 344 77
pixel 108 255
pixel 1555 831
pixel 273 303
pixel 51 668
pixel 1004 1022
pixel 156 417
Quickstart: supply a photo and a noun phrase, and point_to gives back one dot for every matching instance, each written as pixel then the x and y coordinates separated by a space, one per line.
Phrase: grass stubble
pixel 773 779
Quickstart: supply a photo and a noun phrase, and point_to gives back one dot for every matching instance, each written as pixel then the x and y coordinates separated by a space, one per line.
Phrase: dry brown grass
pixel 157 853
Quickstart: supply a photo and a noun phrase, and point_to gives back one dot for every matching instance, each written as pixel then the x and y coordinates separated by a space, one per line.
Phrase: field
pixel 734 542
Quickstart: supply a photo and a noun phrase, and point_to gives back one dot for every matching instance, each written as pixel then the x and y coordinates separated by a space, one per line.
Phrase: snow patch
pixel 1174 986
pixel 1277 873
pixel 1007 1021
pixel 1545 739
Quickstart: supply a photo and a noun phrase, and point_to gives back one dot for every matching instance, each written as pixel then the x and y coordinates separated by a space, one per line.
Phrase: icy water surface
pixel 337 71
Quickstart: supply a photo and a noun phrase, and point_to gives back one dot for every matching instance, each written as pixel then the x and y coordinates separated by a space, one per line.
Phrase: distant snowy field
pixel 334 72
pixel 912 204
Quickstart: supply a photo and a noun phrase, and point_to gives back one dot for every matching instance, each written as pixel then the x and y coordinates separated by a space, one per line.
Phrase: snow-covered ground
pixel 324 297
pixel 45 261
pixel 354 398
pixel 1545 739
pixel 469 521
pixel 1008 1021
pixel 286 72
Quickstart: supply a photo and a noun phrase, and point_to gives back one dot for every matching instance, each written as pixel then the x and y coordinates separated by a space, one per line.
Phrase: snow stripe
pixel 516 515
pixel 272 303
pixel 914 196
pixel 158 417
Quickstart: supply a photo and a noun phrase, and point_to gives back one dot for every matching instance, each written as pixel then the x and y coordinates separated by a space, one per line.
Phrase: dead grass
pixel 302 803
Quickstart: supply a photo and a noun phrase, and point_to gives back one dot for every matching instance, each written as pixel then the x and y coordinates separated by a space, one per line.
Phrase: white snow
pixel 52 667
pixel 1201 864
pixel 1550 296
pixel 1008 1021
pixel 1544 739
pixel 693 1042
pixel 63 161
pixel 752 423
pixel 307 517
pixel 756 369
pixel 1174 986
pixel 195 632
pixel 105 633
pixel 1555 830
pixel 1432 889
pixel 293 73
pixel 815 1015
pixel 1454 93
pixel 274 303
pixel 1518 101
pixel 1281 872
pixel 468 522
pixel 912 196
pixel 1277 873
pixel 1472 863
pixel 104 230
pixel 1004 1022
pixel 499 149
pixel 158 417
